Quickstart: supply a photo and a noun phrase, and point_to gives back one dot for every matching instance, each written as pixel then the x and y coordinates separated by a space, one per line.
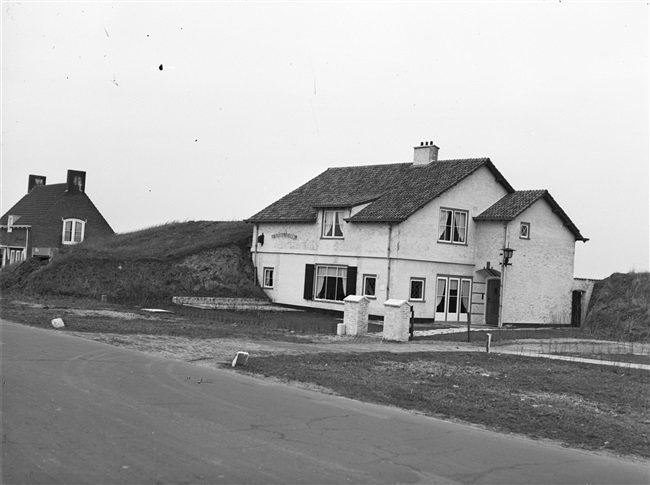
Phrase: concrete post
pixel 396 320
pixel 355 316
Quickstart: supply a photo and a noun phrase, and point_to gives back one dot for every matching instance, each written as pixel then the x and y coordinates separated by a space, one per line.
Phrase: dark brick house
pixel 48 218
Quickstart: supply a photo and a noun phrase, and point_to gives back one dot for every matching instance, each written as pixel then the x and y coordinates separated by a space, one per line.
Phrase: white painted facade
pixel 534 289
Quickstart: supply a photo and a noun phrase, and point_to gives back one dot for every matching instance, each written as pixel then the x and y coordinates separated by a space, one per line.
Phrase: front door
pixel 576 308
pixel 492 303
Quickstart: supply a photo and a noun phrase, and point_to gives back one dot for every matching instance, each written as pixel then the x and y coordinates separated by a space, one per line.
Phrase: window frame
pixel 16 255
pixel 268 270
pixel 461 297
pixel 454 214
pixel 424 283
pixel 521 227
pixel 363 287
pixel 327 267
pixel 74 223
pixel 336 223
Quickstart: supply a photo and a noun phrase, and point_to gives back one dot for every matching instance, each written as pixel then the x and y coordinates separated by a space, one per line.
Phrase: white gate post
pixel 396 320
pixel 355 316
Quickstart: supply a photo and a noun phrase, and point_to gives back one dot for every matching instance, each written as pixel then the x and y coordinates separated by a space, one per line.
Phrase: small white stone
pixel 240 359
pixel 58 323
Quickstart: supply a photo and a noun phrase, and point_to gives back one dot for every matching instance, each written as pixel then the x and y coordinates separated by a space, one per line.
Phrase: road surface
pixel 78 411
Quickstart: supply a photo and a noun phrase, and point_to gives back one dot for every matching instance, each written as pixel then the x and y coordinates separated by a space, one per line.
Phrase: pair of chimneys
pixel 76 181
pixel 426 153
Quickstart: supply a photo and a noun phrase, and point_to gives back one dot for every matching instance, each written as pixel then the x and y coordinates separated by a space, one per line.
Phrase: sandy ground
pixel 217 352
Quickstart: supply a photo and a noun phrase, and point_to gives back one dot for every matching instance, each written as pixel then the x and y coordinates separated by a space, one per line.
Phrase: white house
pixel 432 232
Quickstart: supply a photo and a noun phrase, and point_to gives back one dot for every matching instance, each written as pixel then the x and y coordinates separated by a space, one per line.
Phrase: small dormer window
pixel 332 221
pixel 10 222
pixel 73 231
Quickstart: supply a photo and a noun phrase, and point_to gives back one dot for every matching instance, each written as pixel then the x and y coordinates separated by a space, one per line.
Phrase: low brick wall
pixel 228 303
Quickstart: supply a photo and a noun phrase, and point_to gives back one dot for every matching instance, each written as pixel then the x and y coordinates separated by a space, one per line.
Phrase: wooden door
pixel 492 303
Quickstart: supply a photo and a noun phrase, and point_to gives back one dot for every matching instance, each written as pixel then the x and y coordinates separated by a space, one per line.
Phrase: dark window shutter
pixel 309 282
pixel 352 281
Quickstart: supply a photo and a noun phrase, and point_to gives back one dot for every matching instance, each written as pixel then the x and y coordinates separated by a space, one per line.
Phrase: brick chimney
pixel 76 181
pixel 426 153
pixel 33 181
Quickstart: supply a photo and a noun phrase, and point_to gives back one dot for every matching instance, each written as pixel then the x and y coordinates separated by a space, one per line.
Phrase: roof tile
pixel 395 191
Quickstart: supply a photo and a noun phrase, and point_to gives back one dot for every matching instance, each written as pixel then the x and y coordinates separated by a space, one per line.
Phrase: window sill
pixel 452 243
pixel 339 302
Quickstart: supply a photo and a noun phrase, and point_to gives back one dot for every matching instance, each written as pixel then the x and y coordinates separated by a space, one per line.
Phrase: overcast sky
pixel 254 99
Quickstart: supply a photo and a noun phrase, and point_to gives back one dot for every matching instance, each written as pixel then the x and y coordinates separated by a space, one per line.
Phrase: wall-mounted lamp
pixel 507 255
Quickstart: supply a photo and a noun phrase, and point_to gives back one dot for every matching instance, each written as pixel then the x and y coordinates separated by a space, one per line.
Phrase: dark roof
pixel 47 202
pixel 35 204
pixel 393 191
pixel 512 205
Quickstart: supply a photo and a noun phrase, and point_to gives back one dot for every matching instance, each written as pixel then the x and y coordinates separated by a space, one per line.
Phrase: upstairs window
pixel 73 231
pixel 332 221
pixel 524 230
pixel 453 226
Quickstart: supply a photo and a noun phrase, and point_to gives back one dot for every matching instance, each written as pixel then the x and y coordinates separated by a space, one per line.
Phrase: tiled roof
pixel 33 206
pixel 393 191
pixel 512 205
pixel 45 206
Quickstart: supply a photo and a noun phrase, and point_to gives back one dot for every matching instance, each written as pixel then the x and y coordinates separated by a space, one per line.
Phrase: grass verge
pixel 580 405
pixel 92 316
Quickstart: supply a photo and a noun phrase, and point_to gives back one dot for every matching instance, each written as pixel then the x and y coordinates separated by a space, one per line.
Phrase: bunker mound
pixel 197 258
pixel 619 308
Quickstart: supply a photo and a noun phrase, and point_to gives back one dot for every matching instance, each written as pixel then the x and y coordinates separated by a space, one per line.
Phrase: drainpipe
pixel 390 232
pixel 256 229
pixel 26 244
pixel 504 269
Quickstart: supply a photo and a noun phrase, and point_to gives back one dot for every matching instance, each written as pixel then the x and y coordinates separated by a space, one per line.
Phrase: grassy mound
pixel 152 265
pixel 620 307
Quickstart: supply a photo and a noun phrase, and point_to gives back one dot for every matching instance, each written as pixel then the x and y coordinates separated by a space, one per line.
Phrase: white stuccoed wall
pixel 540 280
pixel 538 286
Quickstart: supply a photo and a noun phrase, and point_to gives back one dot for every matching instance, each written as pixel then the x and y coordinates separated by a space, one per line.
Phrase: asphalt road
pixel 78 411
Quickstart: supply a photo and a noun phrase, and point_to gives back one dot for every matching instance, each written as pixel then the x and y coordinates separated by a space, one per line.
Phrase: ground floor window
pixel 453 298
pixel 417 289
pixel 331 282
pixel 370 285
pixel 16 255
pixel 269 276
